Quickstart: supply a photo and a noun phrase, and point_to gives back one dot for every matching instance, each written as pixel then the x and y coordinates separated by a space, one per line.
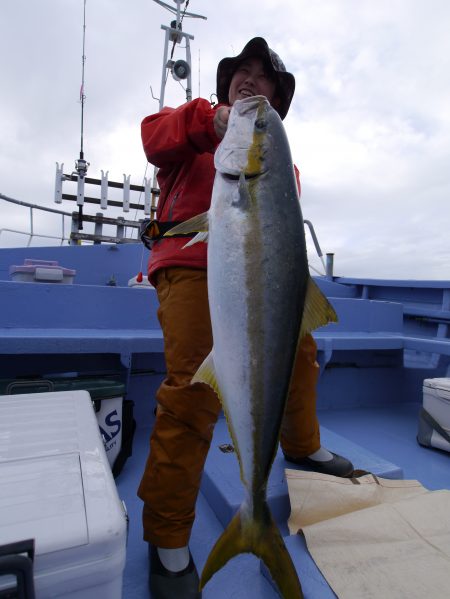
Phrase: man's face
pixel 251 79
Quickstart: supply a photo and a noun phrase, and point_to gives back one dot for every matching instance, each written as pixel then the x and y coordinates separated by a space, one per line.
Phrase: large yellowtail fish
pixel 262 301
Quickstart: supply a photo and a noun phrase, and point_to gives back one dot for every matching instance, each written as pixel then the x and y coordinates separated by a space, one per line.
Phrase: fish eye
pixel 260 124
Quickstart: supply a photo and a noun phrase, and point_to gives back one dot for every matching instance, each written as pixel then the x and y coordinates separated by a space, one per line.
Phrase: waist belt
pixel 152 230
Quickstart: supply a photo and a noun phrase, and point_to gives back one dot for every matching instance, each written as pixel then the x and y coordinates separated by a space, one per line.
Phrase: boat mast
pixel 180 69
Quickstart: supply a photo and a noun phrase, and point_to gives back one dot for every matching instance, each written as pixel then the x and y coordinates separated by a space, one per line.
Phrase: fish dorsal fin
pixel 207 374
pixel 318 311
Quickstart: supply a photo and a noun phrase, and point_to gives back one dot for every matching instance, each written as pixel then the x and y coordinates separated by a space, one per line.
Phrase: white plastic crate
pixel 57 488
pixel 434 420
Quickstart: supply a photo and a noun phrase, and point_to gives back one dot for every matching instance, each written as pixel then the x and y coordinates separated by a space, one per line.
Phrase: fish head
pixel 247 149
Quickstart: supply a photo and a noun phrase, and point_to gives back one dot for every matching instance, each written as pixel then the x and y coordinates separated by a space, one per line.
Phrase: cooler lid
pixel 55 481
pixel 438 383
pixel 43 499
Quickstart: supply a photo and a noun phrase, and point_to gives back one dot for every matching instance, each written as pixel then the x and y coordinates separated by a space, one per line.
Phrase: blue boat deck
pixel 379 439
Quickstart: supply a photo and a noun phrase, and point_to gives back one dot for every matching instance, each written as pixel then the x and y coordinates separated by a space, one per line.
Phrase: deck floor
pixel 389 433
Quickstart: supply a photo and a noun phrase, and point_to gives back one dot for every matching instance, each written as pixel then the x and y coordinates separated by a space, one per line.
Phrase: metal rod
pixel 115 184
pixel 316 242
pixel 106 220
pixel 88 200
pixel 28 205
pixel 330 266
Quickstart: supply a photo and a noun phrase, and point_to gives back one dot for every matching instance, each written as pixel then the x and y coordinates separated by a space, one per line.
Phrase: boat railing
pixel 70 228
pixel 329 265
pixel 124 230
pixel 30 232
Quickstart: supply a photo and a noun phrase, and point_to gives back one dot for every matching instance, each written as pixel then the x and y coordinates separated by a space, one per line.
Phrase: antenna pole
pixel 82 96
pixel 81 166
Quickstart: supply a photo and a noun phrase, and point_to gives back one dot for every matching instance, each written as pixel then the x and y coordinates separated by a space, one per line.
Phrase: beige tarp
pixel 374 537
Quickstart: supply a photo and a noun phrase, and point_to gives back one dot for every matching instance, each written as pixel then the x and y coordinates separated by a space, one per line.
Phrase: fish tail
pixel 262 538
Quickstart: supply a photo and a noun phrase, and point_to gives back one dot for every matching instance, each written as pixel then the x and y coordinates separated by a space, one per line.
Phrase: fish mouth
pixel 248 103
pixel 247 176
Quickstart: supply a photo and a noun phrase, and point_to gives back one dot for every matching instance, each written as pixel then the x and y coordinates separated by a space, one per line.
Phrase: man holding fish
pixel 263 365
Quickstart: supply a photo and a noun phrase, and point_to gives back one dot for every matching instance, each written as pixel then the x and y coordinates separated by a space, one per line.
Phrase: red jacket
pixel 181 142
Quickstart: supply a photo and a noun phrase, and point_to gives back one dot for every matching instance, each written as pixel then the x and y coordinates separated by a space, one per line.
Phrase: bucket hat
pixel 257 47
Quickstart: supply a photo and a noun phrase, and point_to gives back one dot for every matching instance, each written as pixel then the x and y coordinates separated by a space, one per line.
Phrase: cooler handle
pixel 23 385
pixel 20 566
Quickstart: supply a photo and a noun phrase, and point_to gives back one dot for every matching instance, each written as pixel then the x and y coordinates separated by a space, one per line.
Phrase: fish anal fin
pixel 262 538
pixel 207 374
pixel 318 311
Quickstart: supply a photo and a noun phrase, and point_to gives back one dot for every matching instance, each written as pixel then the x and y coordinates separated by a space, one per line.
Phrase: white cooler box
pixel 434 419
pixel 56 487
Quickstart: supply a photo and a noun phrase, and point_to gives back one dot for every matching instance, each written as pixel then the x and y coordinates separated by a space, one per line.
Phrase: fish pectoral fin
pixel 317 311
pixel 262 538
pixel 198 224
pixel 207 374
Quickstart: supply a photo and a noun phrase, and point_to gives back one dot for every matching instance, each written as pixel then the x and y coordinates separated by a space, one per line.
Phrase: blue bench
pixel 48 318
pixel 426 308
pixel 363 325
pixel 89 319
pixel 78 319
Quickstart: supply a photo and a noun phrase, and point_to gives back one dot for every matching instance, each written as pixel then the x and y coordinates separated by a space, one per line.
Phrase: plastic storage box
pixel 41 271
pixel 434 419
pixel 57 488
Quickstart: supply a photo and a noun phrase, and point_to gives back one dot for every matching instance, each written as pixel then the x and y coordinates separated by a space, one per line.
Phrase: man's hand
pixel 221 120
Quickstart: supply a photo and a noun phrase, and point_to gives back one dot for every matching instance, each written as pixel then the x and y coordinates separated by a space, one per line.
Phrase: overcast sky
pixel 369 126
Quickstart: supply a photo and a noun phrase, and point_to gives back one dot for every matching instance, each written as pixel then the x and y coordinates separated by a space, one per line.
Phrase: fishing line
pixel 139 276
pixel 199 94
